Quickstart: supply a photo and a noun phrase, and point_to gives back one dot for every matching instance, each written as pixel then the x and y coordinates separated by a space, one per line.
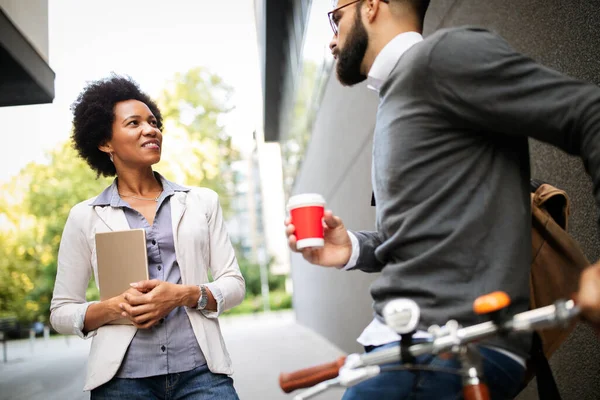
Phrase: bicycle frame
pixel 355 368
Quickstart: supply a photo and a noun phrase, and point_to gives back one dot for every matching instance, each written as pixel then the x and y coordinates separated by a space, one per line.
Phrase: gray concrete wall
pixel 562 34
pixel 336 303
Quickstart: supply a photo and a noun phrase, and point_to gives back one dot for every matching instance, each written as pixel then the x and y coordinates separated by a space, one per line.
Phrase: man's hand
pixel 158 300
pixel 588 297
pixel 337 249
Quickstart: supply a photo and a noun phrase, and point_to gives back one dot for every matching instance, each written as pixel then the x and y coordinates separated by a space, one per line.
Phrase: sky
pixel 150 40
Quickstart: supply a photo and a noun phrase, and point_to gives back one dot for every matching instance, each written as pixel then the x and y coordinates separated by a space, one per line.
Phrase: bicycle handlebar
pixel 310 376
pixel 476 392
pixel 558 314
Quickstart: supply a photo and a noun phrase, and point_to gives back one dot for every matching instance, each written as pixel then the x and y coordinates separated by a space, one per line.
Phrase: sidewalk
pixel 52 369
pixel 261 346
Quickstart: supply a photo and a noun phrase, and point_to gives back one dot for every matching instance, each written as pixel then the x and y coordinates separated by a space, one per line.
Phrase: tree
pixel 37 203
pixel 192 105
pixel 251 272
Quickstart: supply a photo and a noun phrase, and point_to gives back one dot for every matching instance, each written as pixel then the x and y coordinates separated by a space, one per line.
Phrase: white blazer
pixel 201 242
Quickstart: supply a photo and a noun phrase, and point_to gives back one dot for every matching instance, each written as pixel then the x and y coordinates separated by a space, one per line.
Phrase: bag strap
pixel 547 389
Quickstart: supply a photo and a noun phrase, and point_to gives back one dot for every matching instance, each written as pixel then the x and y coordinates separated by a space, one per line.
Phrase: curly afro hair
pixel 93 116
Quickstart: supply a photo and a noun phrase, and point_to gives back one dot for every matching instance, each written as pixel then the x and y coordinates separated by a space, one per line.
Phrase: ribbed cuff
pixel 218 295
pixel 79 321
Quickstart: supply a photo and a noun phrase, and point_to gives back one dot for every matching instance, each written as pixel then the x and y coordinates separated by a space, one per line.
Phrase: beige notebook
pixel 122 259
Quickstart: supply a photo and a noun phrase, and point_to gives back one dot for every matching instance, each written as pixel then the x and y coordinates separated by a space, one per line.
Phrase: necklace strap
pixel 141 198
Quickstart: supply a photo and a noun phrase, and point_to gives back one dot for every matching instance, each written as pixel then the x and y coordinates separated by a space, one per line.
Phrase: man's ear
pixel 372 9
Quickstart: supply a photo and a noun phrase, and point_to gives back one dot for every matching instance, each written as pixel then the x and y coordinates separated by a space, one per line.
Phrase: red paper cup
pixel 306 211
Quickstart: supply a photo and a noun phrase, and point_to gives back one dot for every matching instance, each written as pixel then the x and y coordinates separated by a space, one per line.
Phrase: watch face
pixel 203 300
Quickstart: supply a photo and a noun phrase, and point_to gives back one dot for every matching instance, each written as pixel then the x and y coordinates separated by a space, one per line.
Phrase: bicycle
pixel 403 316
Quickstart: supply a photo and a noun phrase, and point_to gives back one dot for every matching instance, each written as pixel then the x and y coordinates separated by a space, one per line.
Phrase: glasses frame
pixel 334 26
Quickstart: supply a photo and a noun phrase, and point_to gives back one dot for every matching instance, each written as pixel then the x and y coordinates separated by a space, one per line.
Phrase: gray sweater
pixel 451 172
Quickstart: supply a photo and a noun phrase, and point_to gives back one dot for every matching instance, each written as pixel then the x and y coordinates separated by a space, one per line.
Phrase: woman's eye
pixel 132 123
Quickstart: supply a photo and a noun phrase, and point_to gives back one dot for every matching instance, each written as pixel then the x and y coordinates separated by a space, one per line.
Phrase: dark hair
pixel 418 6
pixel 93 116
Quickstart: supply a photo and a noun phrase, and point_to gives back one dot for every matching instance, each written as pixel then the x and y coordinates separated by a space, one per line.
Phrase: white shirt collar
pixel 388 57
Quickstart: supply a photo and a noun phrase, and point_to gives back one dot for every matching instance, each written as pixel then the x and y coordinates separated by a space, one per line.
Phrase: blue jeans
pixel 197 384
pixel 503 375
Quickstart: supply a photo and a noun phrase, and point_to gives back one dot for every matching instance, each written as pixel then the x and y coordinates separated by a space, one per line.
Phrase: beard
pixel 351 57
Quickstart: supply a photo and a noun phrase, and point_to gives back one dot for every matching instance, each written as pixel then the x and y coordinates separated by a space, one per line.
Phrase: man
pixel 451 180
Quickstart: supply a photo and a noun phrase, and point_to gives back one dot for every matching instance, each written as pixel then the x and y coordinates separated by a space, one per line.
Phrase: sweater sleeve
pixel 367 242
pixel 480 82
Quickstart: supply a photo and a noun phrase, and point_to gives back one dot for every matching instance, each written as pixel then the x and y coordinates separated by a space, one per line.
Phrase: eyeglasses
pixel 334 19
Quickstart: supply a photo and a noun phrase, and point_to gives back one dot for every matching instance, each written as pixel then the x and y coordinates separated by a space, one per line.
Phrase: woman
pixel 174 348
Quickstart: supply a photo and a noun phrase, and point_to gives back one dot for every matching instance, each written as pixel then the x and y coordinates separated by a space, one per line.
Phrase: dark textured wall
pixel 564 35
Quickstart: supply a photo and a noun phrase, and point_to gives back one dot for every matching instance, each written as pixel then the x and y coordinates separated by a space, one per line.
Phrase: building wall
pixel 562 34
pixel 338 165
pixel 31 17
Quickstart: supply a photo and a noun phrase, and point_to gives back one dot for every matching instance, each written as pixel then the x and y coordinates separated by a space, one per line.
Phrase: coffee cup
pixel 306 212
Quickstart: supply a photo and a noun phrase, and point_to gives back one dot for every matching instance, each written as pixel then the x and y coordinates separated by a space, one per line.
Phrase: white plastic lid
pixel 305 199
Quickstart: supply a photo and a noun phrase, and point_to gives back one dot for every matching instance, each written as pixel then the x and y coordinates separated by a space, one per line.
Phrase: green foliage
pixel 192 105
pixel 278 300
pixel 35 204
pixel 251 273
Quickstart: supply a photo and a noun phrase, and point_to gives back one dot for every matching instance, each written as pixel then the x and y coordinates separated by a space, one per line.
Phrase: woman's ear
pixel 105 147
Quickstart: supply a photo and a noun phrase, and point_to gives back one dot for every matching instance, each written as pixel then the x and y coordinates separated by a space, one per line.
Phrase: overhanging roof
pixel 274 46
pixel 25 77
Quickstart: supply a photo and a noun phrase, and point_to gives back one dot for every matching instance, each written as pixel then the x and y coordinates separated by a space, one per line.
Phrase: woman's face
pixel 136 140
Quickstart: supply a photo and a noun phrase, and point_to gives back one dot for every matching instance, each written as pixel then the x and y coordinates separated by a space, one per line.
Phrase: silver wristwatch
pixel 203 299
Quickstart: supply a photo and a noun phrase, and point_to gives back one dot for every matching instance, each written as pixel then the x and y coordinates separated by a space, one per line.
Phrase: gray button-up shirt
pixel 170 346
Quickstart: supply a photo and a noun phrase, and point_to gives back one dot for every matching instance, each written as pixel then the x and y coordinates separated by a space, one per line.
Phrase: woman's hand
pixel 104 312
pixel 159 299
pixel 115 301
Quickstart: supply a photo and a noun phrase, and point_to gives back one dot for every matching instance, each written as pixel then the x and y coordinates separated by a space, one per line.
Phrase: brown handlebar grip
pixel 310 376
pixel 476 392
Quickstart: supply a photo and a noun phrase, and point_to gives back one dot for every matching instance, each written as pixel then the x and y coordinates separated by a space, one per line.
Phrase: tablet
pixel 122 259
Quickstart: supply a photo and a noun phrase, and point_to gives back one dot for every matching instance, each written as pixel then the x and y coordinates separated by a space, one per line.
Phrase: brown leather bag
pixel 557 259
pixel 556 264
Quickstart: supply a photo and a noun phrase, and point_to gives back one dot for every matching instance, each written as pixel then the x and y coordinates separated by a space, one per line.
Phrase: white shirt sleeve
pixel 355 253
